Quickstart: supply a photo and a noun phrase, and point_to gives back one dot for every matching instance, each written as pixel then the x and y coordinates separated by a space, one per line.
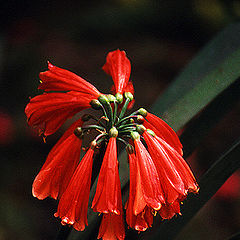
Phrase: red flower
pixel 61 162
pixel 175 175
pixel 118 66
pixel 47 112
pixel 144 219
pixel 163 130
pixel 73 205
pixel 148 191
pixel 106 198
pixel 112 227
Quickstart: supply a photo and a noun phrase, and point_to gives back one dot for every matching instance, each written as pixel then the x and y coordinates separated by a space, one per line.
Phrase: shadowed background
pixel 160 38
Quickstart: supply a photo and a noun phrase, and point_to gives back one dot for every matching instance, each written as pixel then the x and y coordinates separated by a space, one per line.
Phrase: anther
pixel 113 132
pixel 119 97
pixel 128 95
pixel 140 129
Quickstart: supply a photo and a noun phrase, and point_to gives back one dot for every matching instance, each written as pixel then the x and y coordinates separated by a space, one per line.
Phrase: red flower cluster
pixel 160 179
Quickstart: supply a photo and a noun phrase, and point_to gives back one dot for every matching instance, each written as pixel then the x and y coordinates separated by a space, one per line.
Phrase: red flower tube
pixel 175 176
pixel 73 205
pixel 148 188
pixel 61 162
pixel 144 219
pixel 108 187
pixel 119 67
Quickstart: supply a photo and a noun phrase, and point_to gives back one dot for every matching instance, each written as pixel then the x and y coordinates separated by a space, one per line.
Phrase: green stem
pixel 124 109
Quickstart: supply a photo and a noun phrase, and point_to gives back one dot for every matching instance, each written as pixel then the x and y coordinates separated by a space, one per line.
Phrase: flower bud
pixel 95 104
pixel 111 98
pixel 103 99
pixel 93 144
pixel 142 112
pixel 140 129
pixel 78 132
pixel 135 135
pixel 119 97
pixel 113 132
pixel 128 95
pixel 140 119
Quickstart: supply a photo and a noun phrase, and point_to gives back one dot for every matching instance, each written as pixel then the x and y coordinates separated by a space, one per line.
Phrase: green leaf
pixel 208 74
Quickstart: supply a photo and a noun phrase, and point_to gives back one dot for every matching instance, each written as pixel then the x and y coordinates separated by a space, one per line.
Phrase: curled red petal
pixel 119 67
pixel 73 205
pixel 47 112
pixel 108 192
pixel 163 130
pixel 58 79
pixel 61 162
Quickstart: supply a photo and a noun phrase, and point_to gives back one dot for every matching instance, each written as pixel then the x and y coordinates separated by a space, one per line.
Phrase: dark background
pixel 160 38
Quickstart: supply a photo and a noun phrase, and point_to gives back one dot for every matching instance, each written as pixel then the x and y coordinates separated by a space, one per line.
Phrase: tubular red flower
pixel 175 176
pixel 58 79
pixel 112 227
pixel 163 130
pixel 144 219
pixel 73 205
pixel 119 67
pixel 47 112
pixel 106 199
pixel 61 162
pixel 148 188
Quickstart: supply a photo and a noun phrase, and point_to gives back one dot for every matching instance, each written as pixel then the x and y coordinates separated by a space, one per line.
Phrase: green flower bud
pixel 113 132
pixel 78 132
pixel 140 129
pixel 142 112
pixel 103 99
pixel 128 95
pixel 119 97
pixel 135 135
pixel 111 98
pixel 95 104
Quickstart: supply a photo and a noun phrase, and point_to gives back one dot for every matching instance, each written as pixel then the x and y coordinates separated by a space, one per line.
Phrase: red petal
pixel 61 162
pixel 73 205
pixel 164 131
pixel 170 178
pixel 119 67
pixel 49 111
pixel 169 210
pixel 147 175
pixel 181 165
pixel 112 227
pixel 106 199
pixel 58 79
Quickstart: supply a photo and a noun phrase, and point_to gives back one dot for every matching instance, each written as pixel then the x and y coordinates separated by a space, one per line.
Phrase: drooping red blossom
pixel 175 175
pixel 112 227
pixel 148 188
pixel 58 79
pixel 143 220
pixel 108 186
pixel 53 178
pixel 47 112
pixel 163 130
pixel 73 205
pixel 119 67
pixel 160 179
